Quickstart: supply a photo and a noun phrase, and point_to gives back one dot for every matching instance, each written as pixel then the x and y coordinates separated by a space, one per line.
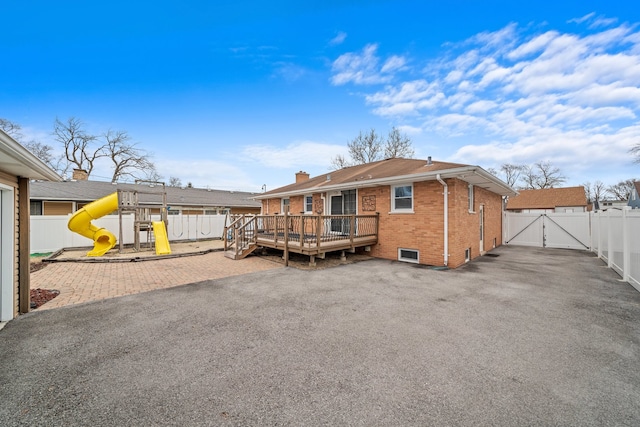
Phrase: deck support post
pixel 312 261
pixel 343 256
pixel 286 236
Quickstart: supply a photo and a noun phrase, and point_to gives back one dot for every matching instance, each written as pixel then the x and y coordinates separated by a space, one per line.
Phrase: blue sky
pixel 240 95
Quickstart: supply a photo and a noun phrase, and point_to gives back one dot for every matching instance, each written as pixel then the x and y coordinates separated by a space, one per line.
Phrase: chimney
pixel 429 162
pixel 80 175
pixel 301 177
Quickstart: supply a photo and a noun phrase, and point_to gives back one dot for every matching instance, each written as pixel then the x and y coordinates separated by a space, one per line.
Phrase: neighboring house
pixel 634 199
pixel 62 198
pixel 17 167
pixel 549 200
pixel 603 205
pixel 429 212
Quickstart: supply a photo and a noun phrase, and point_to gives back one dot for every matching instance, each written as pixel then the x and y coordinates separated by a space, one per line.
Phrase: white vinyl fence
pixel 49 233
pixel 613 234
pixel 615 237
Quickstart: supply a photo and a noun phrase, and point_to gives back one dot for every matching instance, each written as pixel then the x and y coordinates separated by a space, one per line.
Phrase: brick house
pixel 428 212
pixel 17 167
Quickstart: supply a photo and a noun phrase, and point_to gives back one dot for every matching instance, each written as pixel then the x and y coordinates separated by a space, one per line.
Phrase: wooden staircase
pixel 240 237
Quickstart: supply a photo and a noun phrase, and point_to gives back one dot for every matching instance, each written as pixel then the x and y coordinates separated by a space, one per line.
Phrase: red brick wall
pixel 423 230
pixel 464 226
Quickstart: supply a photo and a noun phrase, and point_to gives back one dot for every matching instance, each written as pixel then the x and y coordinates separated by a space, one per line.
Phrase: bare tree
pixel 365 148
pixel 339 162
pixel 398 145
pixel 127 159
pixel 42 151
pixel 621 190
pixel 542 175
pixel 80 148
pixel 175 181
pixel 511 173
pixel 594 192
pixel 635 152
pixel 368 147
pixel 12 129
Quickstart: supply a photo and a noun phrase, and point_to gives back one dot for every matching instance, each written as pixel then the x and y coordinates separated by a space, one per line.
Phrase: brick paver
pixel 82 282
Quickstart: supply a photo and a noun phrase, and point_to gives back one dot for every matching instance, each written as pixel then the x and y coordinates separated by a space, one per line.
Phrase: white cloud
pixel 393 63
pixel 295 155
pixel 206 173
pixel 338 39
pixel 517 96
pixel 363 68
pixel 582 19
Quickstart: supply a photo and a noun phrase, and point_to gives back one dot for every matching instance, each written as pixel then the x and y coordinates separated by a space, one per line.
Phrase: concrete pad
pixel 530 337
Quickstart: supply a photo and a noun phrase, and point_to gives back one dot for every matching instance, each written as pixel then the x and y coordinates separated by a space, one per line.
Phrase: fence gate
pixel 551 230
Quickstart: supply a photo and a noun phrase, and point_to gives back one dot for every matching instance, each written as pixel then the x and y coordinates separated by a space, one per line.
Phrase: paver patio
pixel 80 282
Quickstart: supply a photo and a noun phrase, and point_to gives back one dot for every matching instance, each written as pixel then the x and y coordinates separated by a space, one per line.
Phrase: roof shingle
pixel 84 191
pixel 548 198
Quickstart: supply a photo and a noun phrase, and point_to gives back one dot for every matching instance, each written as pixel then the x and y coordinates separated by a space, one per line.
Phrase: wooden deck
pixel 312 235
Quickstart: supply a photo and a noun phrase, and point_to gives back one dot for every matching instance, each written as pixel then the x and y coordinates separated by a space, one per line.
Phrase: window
pixel 308 204
pixel 402 198
pixel 467 255
pixel 409 255
pixel 35 207
pixel 285 204
pixel 470 197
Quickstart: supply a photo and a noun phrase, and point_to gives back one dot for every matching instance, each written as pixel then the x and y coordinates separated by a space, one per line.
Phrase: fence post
pixel 591 218
pixel 609 240
pixel 599 234
pixel 626 245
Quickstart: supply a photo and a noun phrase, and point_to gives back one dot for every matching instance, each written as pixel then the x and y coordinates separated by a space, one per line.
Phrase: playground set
pixel 125 202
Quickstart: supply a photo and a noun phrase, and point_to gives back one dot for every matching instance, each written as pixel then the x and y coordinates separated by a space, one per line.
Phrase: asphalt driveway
pixel 530 337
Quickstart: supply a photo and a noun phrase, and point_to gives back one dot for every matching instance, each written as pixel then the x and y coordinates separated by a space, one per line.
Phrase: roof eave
pixel 496 185
pixel 33 168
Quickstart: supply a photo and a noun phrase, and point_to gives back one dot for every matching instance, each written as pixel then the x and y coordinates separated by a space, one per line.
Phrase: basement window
pixel 467 255
pixel 409 255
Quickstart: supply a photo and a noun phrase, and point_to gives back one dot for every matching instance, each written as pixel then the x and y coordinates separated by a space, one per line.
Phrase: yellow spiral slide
pixel 80 222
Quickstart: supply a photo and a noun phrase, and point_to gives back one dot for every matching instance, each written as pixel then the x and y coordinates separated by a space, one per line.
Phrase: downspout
pixel 446 219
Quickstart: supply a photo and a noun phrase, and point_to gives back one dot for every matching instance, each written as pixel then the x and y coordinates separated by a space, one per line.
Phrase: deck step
pixel 242 254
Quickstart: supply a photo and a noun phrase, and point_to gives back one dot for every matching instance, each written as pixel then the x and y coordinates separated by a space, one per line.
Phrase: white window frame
pixel 283 204
pixel 410 260
pixel 467 255
pixel 471 195
pixel 393 199
pixel 306 204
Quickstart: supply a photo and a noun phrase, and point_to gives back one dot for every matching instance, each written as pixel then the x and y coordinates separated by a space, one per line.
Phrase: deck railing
pixel 314 230
pixel 308 234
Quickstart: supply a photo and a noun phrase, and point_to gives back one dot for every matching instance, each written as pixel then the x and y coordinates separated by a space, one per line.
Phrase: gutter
pixel 446 219
pixel 424 176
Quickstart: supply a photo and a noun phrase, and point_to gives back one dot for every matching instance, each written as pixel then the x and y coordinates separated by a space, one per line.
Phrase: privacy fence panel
pixel 567 230
pixel 633 233
pixel 50 233
pixel 523 229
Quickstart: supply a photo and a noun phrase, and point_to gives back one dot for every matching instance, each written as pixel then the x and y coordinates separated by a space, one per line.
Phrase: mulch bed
pixel 41 296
